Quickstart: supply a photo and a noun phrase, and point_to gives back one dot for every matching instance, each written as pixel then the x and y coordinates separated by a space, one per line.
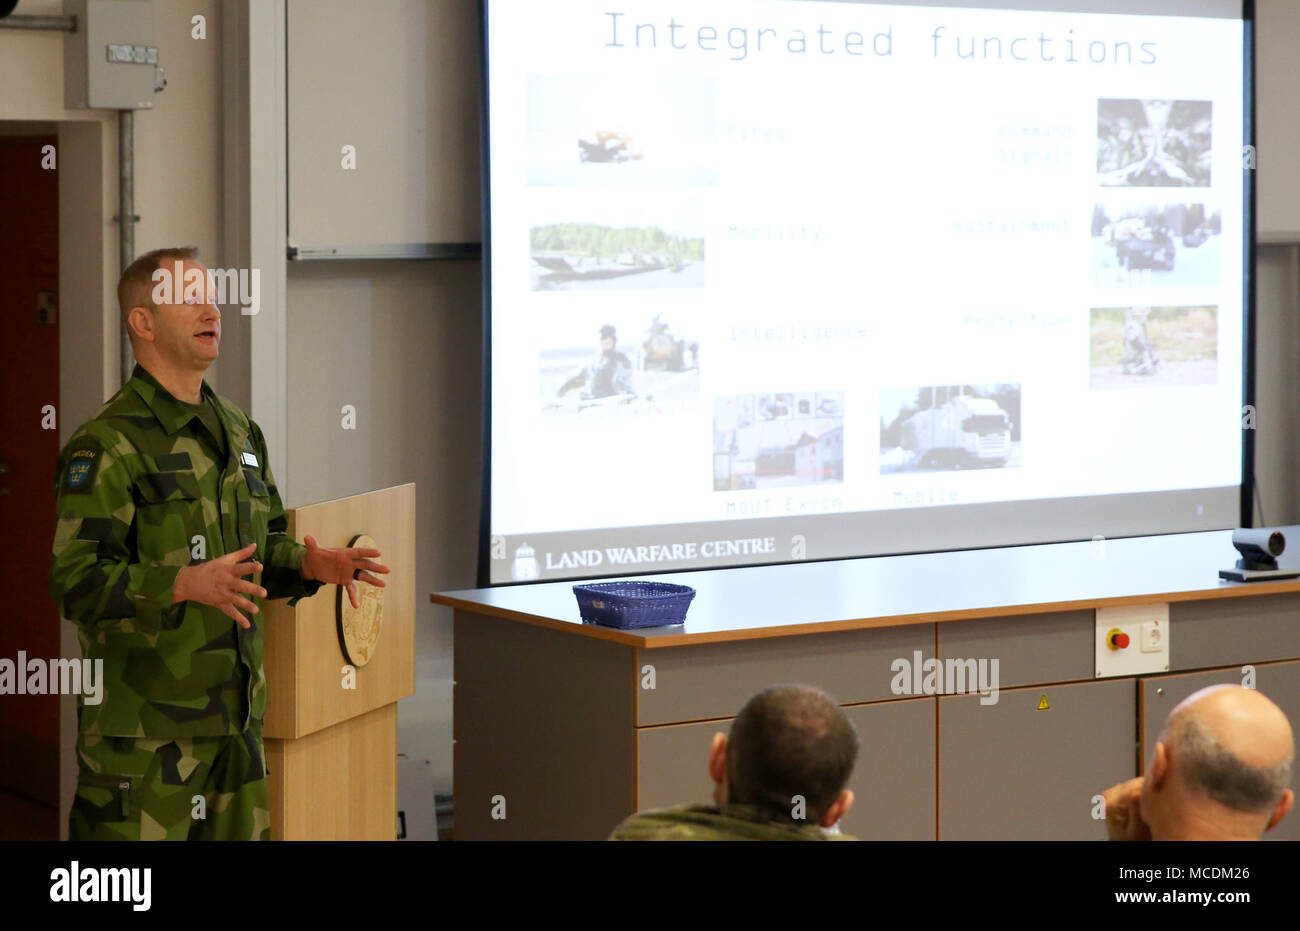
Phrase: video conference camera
pixel 1259 549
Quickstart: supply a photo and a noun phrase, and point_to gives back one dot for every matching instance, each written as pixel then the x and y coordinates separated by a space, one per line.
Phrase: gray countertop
pixel 889 591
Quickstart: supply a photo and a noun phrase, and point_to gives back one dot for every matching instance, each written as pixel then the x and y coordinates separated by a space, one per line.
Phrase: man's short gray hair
pixel 1211 767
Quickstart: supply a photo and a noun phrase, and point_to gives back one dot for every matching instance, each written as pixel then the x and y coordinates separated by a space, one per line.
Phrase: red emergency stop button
pixel 1117 639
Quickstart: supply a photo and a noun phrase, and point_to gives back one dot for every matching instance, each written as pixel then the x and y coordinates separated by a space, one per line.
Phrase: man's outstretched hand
pixel 220 582
pixel 342 566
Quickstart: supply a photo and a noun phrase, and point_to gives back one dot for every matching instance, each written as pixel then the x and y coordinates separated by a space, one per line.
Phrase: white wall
pixel 178 142
pixel 1277 384
pixel 400 341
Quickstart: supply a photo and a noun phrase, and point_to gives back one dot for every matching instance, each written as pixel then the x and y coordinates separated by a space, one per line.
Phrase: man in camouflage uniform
pixel 780 776
pixel 170 531
pixel 1139 357
pixel 610 374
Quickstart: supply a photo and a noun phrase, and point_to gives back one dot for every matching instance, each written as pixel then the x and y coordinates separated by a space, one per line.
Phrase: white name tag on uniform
pixel 250 459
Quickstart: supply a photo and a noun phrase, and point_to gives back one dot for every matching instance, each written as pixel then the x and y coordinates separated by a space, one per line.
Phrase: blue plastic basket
pixel 633 603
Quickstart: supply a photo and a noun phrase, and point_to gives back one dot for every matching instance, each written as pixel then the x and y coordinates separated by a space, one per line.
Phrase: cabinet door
pixel 1279 681
pixel 1031 648
pixel 1228 631
pixel 672 764
pixel 893 782
pixel 1028 766
pixel 713 680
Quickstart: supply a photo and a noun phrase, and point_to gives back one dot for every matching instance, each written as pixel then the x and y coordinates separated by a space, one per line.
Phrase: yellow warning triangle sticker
pixel 1042 703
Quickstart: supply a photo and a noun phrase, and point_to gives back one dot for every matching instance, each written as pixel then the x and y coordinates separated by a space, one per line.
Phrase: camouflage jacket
pixel 140 494
pixel 708 822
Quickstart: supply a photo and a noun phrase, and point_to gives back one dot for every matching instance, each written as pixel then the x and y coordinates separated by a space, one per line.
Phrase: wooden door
pixel 29 446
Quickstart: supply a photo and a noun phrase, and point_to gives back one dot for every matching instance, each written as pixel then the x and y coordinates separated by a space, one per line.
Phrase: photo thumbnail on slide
pixel 1148 347
pixel 622 130
pixel 778 440
pixel 635 365
pixel 1153 143
pixel 586 256
pixel 949 427
pixel 1155 244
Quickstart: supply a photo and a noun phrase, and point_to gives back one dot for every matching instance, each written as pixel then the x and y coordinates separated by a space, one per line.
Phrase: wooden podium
pixel 331 725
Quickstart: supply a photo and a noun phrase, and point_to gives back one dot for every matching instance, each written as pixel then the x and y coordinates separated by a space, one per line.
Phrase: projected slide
pixel 775 280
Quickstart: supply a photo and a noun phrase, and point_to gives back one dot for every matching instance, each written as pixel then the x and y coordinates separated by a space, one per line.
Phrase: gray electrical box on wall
pixel 110 62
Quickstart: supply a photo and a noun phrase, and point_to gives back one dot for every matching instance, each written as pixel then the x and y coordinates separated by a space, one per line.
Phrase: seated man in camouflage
pixel 780 776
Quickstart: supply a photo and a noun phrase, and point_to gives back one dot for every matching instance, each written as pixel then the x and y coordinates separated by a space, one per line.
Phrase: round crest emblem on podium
pixel 359 627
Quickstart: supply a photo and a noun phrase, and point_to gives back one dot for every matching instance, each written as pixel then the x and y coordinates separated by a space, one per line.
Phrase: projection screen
pixel 779 279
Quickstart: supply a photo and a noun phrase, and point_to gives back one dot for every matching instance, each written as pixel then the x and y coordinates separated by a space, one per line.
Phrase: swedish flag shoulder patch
pixel 80 473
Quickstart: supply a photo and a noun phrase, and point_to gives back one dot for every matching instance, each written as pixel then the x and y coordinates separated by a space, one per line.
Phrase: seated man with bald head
pixel 780 776
pixel 1220 771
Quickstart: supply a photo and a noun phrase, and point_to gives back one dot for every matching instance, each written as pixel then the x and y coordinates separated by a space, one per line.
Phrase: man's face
pixel 188 331
pixel 607 345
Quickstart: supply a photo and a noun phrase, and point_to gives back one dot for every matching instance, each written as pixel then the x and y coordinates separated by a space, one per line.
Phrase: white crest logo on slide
pixel 525 566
